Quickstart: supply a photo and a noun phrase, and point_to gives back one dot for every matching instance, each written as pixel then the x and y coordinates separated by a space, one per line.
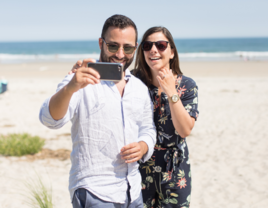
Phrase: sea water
pixel 209 49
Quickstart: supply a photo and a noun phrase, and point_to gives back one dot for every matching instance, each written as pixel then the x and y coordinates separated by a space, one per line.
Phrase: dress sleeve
pixel 188 92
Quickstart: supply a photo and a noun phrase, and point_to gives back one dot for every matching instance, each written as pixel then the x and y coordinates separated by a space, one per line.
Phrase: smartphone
pixel 108 71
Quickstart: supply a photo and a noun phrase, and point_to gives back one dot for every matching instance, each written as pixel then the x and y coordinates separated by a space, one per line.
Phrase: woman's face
pixel 155 58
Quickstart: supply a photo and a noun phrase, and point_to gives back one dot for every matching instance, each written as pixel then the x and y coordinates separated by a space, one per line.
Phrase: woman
pixel 166 177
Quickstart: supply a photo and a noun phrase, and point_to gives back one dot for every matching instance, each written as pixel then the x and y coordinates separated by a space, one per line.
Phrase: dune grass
pixel 38 195
pixel 20 144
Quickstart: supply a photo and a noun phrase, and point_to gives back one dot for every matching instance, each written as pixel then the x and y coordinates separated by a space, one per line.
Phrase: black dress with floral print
pixel 166 177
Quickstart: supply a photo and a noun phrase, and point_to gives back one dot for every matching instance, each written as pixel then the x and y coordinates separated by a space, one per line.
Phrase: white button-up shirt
pixel 102 123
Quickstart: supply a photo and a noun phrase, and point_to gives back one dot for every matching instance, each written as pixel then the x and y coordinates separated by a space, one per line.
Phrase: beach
pixel 228 145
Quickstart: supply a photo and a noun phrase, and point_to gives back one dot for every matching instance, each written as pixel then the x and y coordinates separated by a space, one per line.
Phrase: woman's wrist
pixel 172 92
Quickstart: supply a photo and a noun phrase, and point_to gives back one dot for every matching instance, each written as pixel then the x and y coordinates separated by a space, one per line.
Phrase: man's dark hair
pixel 119 21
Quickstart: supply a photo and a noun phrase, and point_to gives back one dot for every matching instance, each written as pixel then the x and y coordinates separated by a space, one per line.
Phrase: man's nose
pixel 120 53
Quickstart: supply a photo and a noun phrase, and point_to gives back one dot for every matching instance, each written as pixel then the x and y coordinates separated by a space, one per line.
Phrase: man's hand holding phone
pixel 83 75
pixel 107 71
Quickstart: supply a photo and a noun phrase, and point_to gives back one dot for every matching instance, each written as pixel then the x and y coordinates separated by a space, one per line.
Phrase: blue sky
pixel 45 20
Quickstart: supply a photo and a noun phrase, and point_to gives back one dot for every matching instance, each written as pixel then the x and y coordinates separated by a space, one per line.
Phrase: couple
pixel 121 130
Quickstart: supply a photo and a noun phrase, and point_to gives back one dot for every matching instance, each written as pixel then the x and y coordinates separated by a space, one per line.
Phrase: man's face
pixel 120 37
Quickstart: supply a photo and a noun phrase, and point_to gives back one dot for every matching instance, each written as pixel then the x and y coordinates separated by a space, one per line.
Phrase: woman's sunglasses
pixel 160 45
pixel 113 48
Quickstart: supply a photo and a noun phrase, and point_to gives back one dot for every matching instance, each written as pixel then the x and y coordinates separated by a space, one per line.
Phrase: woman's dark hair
pixel 119 21
pixel 142 70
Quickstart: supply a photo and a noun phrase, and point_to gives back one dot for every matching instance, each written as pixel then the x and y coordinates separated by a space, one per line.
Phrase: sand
pixel 228 145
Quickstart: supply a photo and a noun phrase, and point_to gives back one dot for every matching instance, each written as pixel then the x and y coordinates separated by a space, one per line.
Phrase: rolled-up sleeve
pixel 190 98
pixel 147 130
pixel 45 116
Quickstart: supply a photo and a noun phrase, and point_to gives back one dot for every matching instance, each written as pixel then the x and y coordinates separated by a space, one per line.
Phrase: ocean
pixel 209 49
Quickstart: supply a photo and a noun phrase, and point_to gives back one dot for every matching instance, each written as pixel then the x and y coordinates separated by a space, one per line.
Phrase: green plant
pixel 39 196
pixel 20 144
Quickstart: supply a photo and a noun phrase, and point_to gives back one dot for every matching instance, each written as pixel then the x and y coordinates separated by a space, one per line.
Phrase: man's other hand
pixel 134 151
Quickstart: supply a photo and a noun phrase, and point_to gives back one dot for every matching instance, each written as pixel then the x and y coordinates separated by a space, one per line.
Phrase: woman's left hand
pixel 167 81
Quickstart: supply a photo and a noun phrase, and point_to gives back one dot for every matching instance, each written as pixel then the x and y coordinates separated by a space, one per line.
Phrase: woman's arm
pixel 181 119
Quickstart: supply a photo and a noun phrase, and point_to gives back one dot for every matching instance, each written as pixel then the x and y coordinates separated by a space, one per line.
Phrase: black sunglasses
pixel 113 48
pixel 160 45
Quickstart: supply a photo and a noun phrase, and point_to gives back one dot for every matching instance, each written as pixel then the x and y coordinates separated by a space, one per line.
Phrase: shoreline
pixel 193 69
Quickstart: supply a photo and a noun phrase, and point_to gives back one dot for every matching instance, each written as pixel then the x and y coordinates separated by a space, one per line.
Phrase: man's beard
pixel 105 58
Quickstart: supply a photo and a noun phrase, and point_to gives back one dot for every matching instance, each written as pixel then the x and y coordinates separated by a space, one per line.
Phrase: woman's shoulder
pixel 137 74
pixel 137 78
pixel 186 81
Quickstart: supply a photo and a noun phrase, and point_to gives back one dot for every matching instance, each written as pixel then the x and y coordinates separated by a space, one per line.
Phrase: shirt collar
pixel 127 75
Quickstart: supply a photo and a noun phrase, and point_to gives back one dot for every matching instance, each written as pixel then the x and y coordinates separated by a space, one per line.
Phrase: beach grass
pixel 20 144
pixel 38 195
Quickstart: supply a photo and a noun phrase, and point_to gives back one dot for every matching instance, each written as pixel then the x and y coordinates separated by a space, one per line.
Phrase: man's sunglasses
pixel 160 45
pixel 113 48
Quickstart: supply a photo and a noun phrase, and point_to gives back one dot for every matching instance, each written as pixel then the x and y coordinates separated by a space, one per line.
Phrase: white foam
pixel 11 58
pixel 238 55
pixel 249 54
pixel 252 54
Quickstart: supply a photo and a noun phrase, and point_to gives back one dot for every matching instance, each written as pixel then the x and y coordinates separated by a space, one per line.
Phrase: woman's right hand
pixel 167 81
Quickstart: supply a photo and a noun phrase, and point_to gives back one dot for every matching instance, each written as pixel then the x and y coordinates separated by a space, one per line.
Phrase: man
pixel 112 124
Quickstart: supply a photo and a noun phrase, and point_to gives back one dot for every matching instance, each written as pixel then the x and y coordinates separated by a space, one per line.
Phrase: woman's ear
pixel 172 54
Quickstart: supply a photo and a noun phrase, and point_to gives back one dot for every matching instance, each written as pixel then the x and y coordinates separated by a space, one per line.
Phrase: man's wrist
pixel 144 147
pixel 69 89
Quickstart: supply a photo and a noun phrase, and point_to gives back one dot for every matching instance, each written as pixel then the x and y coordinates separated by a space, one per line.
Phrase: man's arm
pixel 59 102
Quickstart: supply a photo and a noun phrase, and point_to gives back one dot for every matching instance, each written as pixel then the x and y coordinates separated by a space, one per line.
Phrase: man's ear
pixel 136 46
pixel 100 43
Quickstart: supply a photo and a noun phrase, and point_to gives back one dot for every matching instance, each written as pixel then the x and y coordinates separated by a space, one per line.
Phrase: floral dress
pixel 166 176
